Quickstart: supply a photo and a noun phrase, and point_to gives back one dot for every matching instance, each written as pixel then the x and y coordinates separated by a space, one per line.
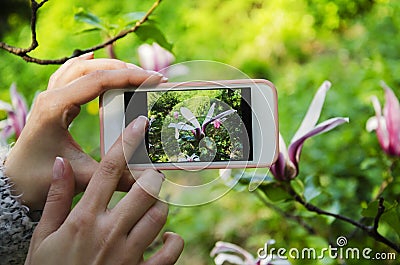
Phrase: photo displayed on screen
pixel 202 125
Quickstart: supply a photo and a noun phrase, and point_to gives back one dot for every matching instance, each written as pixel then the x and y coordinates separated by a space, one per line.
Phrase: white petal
pixel 282 147
pixel 181 126
pixel 233 259
pixel 146 56
pixel 190 117
pixel 313 112
pixel 5 106
pixel 209 114
pixel 4 123
pixel 372 124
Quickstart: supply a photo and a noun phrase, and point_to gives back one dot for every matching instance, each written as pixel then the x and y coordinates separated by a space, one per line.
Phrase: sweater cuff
pixel 16 227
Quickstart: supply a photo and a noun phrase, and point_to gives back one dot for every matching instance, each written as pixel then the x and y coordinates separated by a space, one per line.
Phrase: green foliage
pixel 297 44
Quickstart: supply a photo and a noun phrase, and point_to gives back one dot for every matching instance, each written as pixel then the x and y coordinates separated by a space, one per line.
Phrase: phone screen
pixel 196 125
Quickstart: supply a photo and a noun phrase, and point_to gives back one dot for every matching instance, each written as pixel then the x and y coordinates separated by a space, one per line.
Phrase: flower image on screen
pixel 202 125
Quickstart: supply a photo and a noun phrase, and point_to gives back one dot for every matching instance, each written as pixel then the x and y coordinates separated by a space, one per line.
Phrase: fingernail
pixel 164 79
pixel 140 123
pixel 58 168
pixel 87 55
pixel 151 72
pixel 162 175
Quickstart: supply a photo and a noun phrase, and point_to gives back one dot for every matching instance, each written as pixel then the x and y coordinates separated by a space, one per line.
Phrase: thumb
pixel 59 199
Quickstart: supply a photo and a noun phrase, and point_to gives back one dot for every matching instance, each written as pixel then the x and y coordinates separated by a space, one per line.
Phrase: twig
pixel 23 53
pixel 371 230
pixel 35 6
pixel 381 210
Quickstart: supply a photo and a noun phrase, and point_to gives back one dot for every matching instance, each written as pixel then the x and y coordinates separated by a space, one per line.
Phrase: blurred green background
pixel 297 44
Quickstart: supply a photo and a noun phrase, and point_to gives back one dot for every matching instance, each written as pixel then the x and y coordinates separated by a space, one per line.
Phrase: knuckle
pixel 97 75
pixel 81 222
pixel 56 194
pixel 110 167
pixel 47 107
pixel 169 259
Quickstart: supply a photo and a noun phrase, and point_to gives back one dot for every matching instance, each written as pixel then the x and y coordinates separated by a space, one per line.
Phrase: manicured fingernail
pixel 58 168
pixel 162 174
pixel 164 79
pixel 151 72
pixel 87 55
pixel 140 123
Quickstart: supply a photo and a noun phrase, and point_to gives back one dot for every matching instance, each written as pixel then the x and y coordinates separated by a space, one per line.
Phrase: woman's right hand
pixel 93 234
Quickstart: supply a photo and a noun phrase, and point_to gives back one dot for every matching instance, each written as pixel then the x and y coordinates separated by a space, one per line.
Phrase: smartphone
pixel 196 125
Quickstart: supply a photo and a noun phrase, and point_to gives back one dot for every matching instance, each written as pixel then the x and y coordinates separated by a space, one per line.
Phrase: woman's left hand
pixel 46 135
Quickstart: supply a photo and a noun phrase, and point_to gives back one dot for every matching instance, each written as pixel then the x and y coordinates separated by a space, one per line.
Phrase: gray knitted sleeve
pixel 16 227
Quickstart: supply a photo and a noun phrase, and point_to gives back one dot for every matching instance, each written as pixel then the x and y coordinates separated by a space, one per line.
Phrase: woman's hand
pixel 93 234
pixel 46 136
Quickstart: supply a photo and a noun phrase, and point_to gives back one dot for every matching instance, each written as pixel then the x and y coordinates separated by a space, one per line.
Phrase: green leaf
pixel 133 17
pixel 87 31
pixel 393 220
pixel 310 191
pixel 149 32
pixel 89 18
pixel 297 185
pixel 275 192
pixel 371 210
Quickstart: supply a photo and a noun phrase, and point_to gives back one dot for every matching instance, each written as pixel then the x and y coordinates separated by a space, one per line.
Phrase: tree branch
pixel 371 230
pixel 35 6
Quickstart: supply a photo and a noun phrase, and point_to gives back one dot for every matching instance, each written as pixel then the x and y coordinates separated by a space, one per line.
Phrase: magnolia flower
pixel 186 158
pixel 228 252
pixel 17 113
pixel 154 57
pixel 387 127
pixel 197 129
pixel 287 164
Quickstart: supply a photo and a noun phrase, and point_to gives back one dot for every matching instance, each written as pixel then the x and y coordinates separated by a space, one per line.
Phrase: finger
pixel 138 200
pixel 90 86
pixel 147 228
pixel 82 65
pixel 59 199
pixel 170 251
pixel 126 181
pixel 62 70
pixel 106 178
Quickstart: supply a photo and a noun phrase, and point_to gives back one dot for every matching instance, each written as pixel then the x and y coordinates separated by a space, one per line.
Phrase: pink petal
pixel 381 131
pixel 391 112
pixel 20 109
pixel 6 132
pixel 217 124
pixel 313 112
pixel 296 146
pixel 278 169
